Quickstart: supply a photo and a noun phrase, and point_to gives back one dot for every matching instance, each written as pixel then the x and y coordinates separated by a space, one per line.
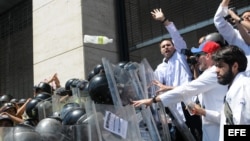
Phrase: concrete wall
pixel 58 29
pixel 57 40
pixel 99 19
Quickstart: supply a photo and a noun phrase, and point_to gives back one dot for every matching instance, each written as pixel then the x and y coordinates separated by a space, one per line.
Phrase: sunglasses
pixel 200 53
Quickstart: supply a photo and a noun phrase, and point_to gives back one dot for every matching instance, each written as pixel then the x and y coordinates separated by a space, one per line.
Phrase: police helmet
pixel 14 100
pixel 43 96
pixel 5 121
pixel 22 133
pixel 99 89
pixel 73 116
pixel 50 125
pixel 98 68
pixel 83 87
pixel 67 107
pixel 131 66
pixel 21 101
pixel 7 106
pixel 5 98
pixel 32 108
pixel 122 64
pixel 216 37
pixel 91 75
pixel 50 129
pixel 45 87
pixel 61 91
pixel 70 83
pixel 30 122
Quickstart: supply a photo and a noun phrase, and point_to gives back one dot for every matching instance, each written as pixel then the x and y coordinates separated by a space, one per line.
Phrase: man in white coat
pixel 174 69
pixel 240 36
pixel 231 64
pixel 206 84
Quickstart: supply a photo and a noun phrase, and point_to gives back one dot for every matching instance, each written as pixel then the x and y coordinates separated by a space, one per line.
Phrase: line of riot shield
pixel 172 112
pixel 116 123
pixel 125 86
pixel 158 112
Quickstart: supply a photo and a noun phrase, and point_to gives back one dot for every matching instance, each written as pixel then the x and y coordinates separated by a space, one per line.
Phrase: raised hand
pixel 158 15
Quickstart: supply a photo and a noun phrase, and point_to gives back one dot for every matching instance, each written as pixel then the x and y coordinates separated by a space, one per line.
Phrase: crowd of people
pixel 207 86
pixel 222 82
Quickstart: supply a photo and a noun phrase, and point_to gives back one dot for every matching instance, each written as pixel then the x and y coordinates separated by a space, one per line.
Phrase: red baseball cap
pixel 207 47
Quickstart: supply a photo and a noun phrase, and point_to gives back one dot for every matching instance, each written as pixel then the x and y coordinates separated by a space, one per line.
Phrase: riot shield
pixel 59 102
pixel 19 133
pixel 93 133
pixel 116 123
pixel 158 112
pixel 171 110
pixel 125 86
pixel 44 109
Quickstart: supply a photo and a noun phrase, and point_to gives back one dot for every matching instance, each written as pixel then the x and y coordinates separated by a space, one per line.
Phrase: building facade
pixel 41 37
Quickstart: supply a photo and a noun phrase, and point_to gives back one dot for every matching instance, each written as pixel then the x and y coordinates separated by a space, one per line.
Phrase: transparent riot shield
pixel 116 123
pixel 51 129
pixel 60 102
pixel 19 133
pixel 158 112
pixel 125 86
pixel 146 113
pixel 171 110
pixel 56 104
pixel 78 97
pixel 44 109
pixel 93 130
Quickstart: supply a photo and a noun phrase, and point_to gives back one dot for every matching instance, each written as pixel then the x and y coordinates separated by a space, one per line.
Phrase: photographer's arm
pixel 244 34
pixel 225 3
pixel 225 28
pixel 242 26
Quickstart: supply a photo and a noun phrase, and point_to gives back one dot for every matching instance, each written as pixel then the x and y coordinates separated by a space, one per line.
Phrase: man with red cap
pixel 206 84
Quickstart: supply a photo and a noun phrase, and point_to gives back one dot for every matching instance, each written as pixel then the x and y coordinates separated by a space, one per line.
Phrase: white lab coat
pixel 212 94
pixel 238 98
pixel 176 71
pixel 231 35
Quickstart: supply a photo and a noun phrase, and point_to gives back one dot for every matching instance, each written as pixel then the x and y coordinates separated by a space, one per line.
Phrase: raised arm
pixel 178 41
pixel 224 27
pixel 242 24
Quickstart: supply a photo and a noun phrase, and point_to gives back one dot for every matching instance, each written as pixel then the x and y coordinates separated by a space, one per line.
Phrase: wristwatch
pixel 241 19
pixel 154 99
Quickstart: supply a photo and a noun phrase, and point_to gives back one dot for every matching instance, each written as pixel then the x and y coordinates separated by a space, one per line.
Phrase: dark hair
pixel 244 12
pixel 168 39
pixel 231 54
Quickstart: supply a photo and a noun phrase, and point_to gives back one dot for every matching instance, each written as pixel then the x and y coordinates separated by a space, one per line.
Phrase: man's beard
pixel 227 78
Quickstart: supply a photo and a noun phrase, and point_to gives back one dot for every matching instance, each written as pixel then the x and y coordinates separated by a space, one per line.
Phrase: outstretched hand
pixel 162 88
pixel 158 15
pixel 147 102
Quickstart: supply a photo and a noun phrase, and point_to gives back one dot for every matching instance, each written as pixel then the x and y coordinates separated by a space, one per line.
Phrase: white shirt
pixel 231 35
pixel 212 94
pixel 176 71
pixel 238 98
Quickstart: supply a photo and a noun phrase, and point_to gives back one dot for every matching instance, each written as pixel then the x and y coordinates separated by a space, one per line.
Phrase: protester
pixel 206 84
pixel 231 63
pixel 240 36
pixel 174 69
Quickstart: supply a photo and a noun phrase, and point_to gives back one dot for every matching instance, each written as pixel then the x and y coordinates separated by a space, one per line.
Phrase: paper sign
pixel 115 124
